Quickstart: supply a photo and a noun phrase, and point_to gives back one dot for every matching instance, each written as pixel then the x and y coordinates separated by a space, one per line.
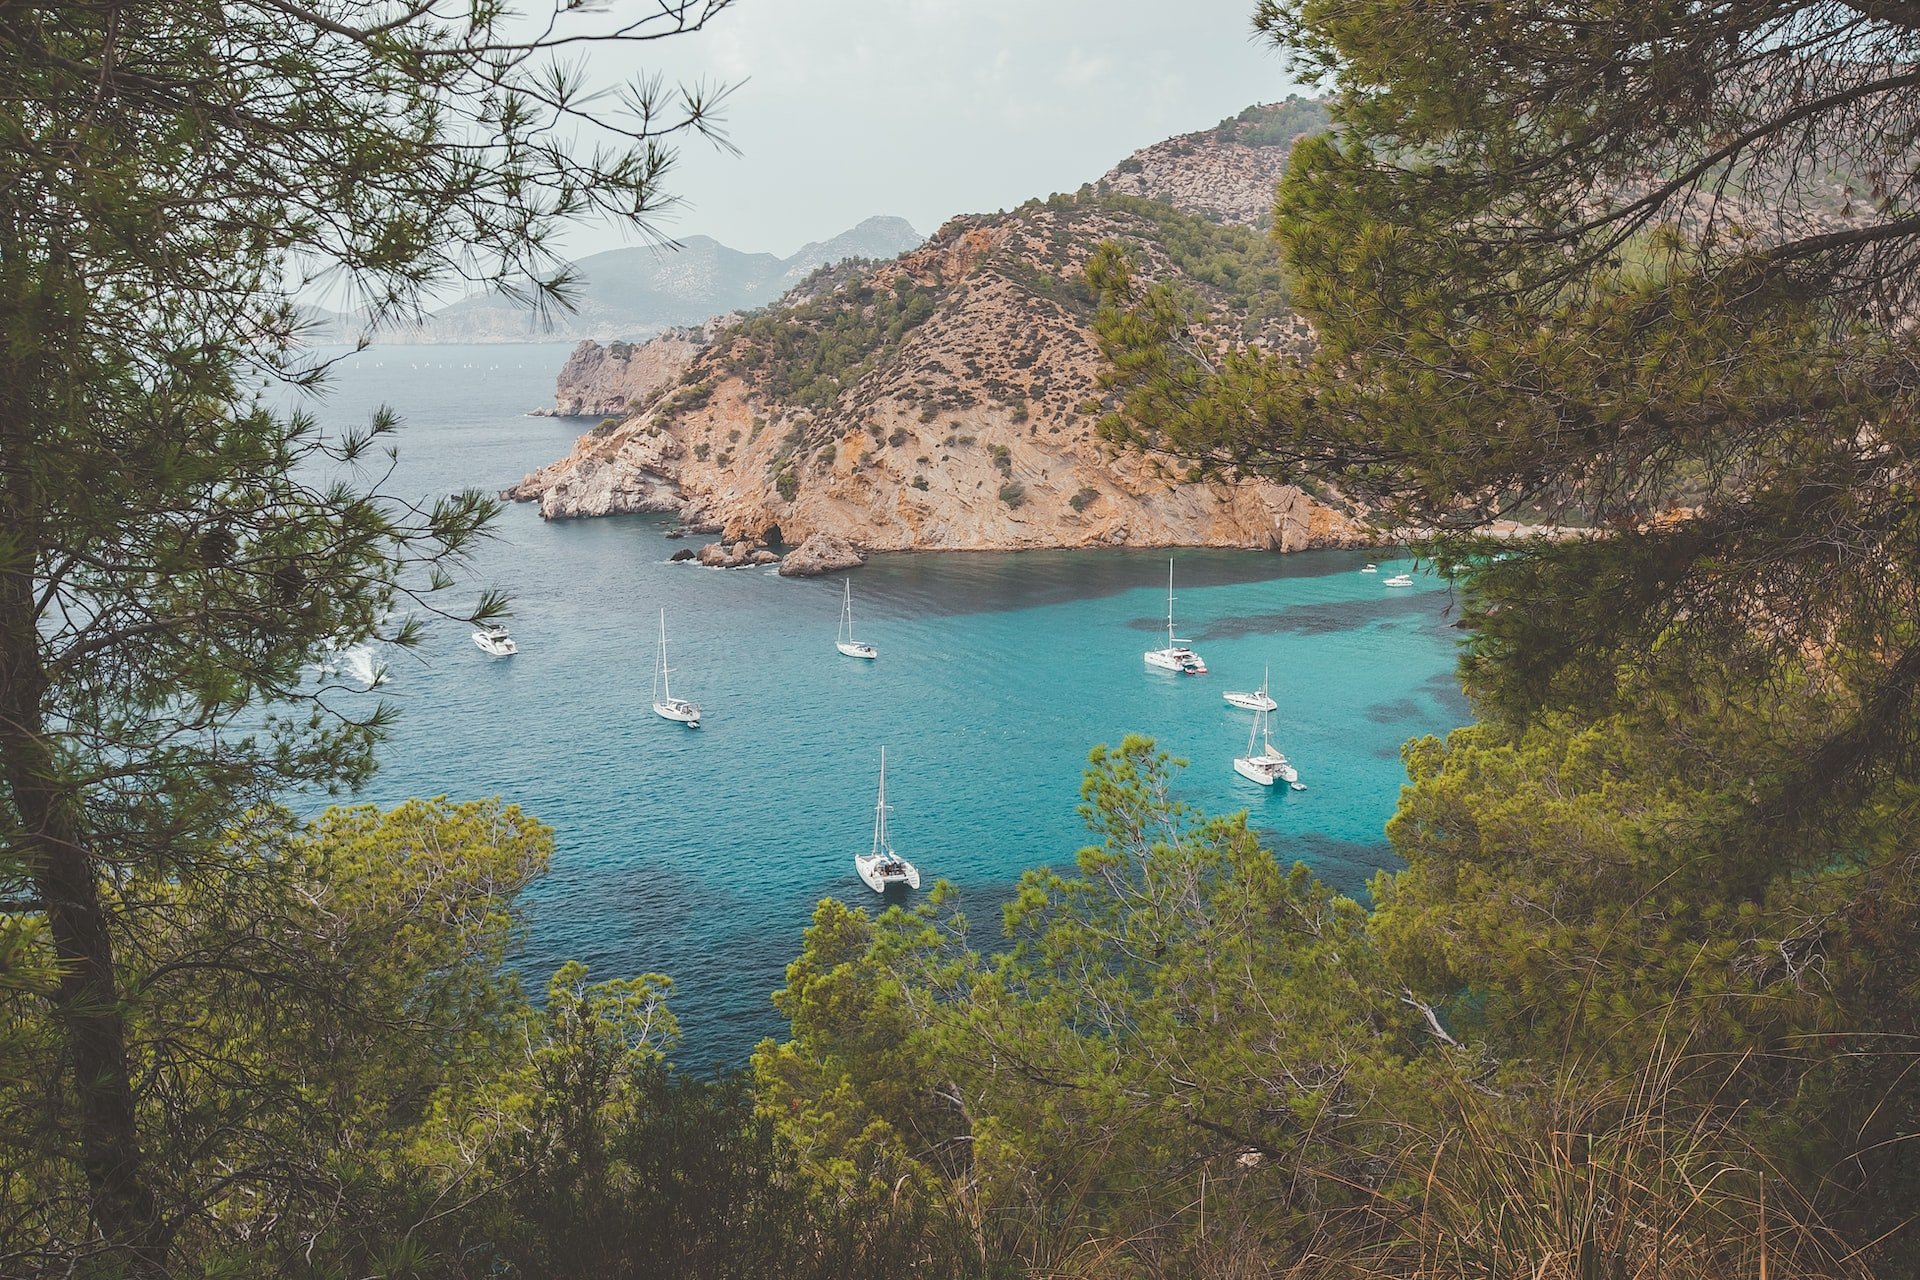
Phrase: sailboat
pixel 882 866
pixel 1267 765
pixel 1176 656
pixel 845 642
pixel 664 703
pixel 1258 700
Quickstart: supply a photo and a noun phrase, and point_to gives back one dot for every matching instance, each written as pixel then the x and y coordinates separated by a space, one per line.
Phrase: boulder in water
pixel 821 553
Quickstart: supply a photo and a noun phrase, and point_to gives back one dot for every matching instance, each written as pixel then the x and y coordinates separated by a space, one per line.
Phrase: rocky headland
pixel 948 399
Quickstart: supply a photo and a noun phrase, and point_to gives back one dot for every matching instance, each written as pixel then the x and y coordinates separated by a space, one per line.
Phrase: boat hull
pixel 496 648
pixel 857 649
pixel 870 868
pixel 1264 770
pixel 1184 661
pixel 684 712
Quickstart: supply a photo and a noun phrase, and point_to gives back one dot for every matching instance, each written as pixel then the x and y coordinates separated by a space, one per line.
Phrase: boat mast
pixel 880 845
pixel 1170 641
pixel 660 684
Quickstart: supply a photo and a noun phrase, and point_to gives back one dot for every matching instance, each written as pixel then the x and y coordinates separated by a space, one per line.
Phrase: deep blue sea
pixel 701 853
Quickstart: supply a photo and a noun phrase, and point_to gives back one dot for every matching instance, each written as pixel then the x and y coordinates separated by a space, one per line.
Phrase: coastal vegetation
pixel 1641 1002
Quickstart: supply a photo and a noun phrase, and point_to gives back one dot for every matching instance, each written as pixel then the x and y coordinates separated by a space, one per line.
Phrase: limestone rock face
pixel 821 553
pixel 607 381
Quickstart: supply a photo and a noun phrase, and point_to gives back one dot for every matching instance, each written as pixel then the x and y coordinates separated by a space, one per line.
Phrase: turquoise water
pixel 700 853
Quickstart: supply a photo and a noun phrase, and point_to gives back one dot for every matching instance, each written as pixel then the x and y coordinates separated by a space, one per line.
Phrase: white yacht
pixel 495 640
pixel 1369 567
pixel 664 703
pixel 1259 699
pixel 1176 656
pixel 845 642
pixel 881 866
pixel 1265 766
pixel 1398 580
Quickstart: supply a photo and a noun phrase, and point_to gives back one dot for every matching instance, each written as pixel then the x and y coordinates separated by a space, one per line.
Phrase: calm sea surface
pixel 701 853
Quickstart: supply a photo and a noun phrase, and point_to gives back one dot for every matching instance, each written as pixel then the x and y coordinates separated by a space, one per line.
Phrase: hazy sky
pixel 929 108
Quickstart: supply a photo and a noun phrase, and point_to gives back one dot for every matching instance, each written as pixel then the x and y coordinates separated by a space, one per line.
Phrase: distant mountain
pixel 634 293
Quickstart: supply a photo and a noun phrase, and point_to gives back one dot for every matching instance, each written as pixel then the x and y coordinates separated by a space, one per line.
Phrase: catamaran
pixel 664 703
pixel 882 866
pixel 1258 700
pixel 1265 766
pixel 1176 656
pixel 845 642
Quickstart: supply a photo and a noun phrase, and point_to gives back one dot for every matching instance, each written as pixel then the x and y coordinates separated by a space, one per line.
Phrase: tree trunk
pixel 51 841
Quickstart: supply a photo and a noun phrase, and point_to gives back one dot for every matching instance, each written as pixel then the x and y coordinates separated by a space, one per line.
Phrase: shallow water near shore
pixel 701 853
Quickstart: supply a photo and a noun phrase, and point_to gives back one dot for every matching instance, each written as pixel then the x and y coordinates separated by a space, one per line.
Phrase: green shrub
pixel 1013 493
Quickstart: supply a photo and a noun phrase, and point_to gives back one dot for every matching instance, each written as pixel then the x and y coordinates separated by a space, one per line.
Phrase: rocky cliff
pixel 1226 173
pixel 607 381
pixel 948 399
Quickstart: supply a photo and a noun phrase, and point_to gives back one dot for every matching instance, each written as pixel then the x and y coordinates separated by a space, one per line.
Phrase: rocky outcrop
pixel 609 381
pixel 947 400
pixel 821 553
pixel 717 555
pixel 1226 173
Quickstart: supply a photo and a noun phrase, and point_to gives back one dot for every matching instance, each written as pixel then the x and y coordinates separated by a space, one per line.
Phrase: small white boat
pixel 845 642
pixel 1369 567
pixel 882 866
pixel 1265 766
pixel 1258 700
pixel 664 703
pixel 1176 656
pixel 495 640
pixel 1398 580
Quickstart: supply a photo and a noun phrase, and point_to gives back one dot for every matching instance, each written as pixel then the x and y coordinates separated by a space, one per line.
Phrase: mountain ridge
pixel 636 292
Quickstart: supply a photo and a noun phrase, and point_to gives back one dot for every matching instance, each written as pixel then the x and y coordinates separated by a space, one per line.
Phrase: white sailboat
pixel 1258 700
pixel 881 866
pixel 845 642
pixel 1265 766
pixel 664 703
pixel 494 639
pixel 1176 656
